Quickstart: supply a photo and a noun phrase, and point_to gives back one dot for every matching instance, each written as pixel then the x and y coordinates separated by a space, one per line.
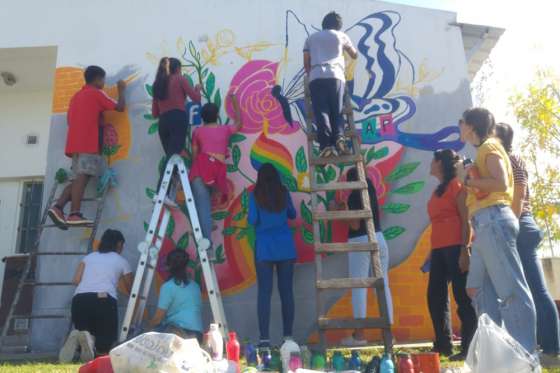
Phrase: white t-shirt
pixel 102 273
pixel 325 49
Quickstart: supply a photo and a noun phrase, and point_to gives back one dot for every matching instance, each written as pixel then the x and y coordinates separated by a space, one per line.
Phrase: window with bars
pixel 30 215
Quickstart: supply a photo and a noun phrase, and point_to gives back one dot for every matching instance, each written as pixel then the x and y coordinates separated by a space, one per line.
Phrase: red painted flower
pixel 221 201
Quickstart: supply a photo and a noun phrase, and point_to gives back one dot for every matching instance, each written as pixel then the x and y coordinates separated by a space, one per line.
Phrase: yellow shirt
pixel 491 146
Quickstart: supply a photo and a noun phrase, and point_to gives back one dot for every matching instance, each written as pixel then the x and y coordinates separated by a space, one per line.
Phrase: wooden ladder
pixel 376 282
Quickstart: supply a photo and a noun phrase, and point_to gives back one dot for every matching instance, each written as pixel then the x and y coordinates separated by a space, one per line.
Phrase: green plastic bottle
pixel 318 361
pixel 338 362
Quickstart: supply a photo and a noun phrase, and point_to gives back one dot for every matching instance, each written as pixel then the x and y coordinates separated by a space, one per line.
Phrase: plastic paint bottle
pixel 338 362
pixel 216 342
pixel 233 349
pixel 355 361
pixel 387 365
pixel 318 361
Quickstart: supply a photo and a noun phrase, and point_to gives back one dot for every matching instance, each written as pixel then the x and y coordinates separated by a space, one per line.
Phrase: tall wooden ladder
pixel 321 248
pixel 15 344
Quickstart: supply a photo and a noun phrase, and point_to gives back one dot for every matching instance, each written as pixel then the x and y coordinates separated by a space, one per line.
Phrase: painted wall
pixel 410 80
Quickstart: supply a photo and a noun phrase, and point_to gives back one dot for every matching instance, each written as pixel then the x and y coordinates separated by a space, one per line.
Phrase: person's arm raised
pixel 121 104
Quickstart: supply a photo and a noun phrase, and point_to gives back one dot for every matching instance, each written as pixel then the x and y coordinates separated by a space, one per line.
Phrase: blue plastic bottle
pixel 355 361
pixel 338 362
pixel 387 365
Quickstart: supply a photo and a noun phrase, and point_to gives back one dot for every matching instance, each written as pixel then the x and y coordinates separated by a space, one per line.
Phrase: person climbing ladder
pixel 82 143
pixel 323 60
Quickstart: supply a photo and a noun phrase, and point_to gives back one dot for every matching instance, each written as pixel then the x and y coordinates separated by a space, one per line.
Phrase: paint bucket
pixel 426 362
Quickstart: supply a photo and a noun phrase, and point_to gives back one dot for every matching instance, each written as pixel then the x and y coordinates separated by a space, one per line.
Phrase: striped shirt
pixel 521 178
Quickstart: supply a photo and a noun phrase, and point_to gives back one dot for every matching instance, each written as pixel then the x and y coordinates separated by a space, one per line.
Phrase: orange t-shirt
pixel 445 218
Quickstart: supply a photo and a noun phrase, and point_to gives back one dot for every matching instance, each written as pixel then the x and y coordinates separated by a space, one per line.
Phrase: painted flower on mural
pixel 221 201
pixel 110 140
pixel 253 85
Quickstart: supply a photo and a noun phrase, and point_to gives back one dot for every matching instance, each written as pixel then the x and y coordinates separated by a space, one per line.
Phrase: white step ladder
pixel 149 249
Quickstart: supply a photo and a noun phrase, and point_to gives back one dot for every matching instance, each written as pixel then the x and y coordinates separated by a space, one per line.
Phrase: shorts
pixel 87 164
pixel 211 171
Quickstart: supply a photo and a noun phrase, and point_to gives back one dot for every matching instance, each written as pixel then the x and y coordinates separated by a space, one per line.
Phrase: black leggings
pixel 173 127
pixel 98 316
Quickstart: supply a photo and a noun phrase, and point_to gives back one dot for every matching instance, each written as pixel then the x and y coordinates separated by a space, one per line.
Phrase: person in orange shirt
pixel 449 256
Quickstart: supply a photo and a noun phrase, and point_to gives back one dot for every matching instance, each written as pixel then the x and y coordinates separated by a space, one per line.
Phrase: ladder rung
pixel 319 161
pixel 342 215
pixel 32 283
pixel 68 225
pixel 39 317
pixel 344 247
pixel 347 133
pixel 349 283
pixel 92 199
pixel 60 253
pixel 344 185
pixel 369 323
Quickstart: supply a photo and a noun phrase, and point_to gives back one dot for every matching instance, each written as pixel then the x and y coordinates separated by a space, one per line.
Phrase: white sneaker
pixel 87 346
pixel 68 350
pixel 549 360
pixel 166 201
pixel 353 342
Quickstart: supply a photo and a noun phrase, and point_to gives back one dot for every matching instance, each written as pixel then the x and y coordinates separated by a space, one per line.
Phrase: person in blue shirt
pixel 270 207
pixel 180 303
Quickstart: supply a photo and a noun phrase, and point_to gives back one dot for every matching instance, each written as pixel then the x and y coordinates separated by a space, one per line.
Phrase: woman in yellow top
pixel 495 282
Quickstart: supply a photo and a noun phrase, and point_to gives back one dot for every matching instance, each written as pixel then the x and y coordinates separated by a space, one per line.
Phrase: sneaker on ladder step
pixel 87 346
pixel 166 201
pixel 57 216
pixel 68 350
pixel 76 219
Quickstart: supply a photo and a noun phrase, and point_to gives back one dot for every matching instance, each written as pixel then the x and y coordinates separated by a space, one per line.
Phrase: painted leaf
pixel 411 188
pixel 146 226
pixel 290 182
pixel 150 193
pixel 192 49
pixel 150 90
pixel 306 213
pixel 153 128
pixel 381 153
pixel 236 155
pixel 396 208
pixel 245 200
pixel 149 117
pixel 401 171
pixel 393 232
pixel 231 168
pixel 229 231
pixel 241 234
pixel 210 84
pixel 220 257
pixel 170 227
pixel 307 236
pixel 370 154
pixel 330 174
pixel 220 215
pixel 191 82
pixel 322 231
pixel 320 179
pixel 301 161
pixel 204 72
pixel 183 242
pixel 236 137
pixel 218 99
pixel 238 216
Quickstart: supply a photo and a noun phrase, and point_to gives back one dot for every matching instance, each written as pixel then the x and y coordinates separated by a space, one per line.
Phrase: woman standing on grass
pixel 270 207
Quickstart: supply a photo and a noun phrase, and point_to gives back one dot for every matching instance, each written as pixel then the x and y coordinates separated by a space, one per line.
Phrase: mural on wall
pixel 382 84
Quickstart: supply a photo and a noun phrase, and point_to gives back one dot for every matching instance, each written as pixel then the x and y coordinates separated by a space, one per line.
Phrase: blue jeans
pixel 547 315
pixel 327 100
pixel 359 266
pixel 203 203
pixel 285 273
pixel 496 272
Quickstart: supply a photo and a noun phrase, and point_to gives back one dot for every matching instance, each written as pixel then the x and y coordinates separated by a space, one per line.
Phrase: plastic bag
pixel 493 350
pixel 160 353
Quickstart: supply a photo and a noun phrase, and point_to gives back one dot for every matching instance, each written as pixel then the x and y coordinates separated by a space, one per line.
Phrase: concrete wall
pixel 411 76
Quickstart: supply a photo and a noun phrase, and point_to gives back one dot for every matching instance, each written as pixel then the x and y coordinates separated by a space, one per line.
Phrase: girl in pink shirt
pixel 208 171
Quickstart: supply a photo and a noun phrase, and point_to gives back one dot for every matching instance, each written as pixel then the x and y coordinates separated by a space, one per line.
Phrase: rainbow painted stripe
pixel 265 150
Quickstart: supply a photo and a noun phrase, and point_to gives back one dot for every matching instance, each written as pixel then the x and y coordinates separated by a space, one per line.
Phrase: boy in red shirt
pixel 82 143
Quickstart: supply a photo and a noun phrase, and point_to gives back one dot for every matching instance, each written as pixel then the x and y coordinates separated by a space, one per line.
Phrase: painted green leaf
pixel 150 193
pixel 306 213
pixel 396 208
pixel 245 200
pixel 61 176
pixel 241 234
pixel 370 154
pixel 183 242
pixel 320 179
pixel 149 117
pixel 411 188
pixel 150 90
pixel 153 128
pixel 381 153
pixel 204 72
pixel 210 84
pixel 290 182
pixel 146 226
pixel 192 49
pixel 238 216
pixel 236 137
pixel 307 236
pixel 170 227
pixel 220 257
pixel 220 215
pixel 301 161
pixel 330 174
pixel 393 232
pixel 228 231
pixel 218 99
pixel 236 155
pixel 401 171
pixel 191 82
pixel 322 231
pixel 231 168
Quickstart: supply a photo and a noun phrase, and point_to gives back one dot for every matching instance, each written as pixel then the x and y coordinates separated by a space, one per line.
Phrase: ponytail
pixel 167 67
pixel 449 160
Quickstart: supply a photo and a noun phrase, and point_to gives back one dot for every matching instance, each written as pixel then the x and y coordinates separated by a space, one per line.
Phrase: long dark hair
pixel 269 191
pixel 167 67
pixel 449 160
pixel 110 241
pixel 505 133
pixel 177 262
pixel 481 120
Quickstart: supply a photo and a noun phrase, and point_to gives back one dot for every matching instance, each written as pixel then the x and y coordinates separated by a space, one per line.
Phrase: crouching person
pixel 94 305
pixel 180 302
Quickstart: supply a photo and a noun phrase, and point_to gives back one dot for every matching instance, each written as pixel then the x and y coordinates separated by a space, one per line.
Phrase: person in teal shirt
pixel 270 208
pixel 180 302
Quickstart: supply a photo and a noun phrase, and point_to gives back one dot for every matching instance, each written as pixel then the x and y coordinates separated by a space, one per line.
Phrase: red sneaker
pixel 57 216
pixel 76 219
